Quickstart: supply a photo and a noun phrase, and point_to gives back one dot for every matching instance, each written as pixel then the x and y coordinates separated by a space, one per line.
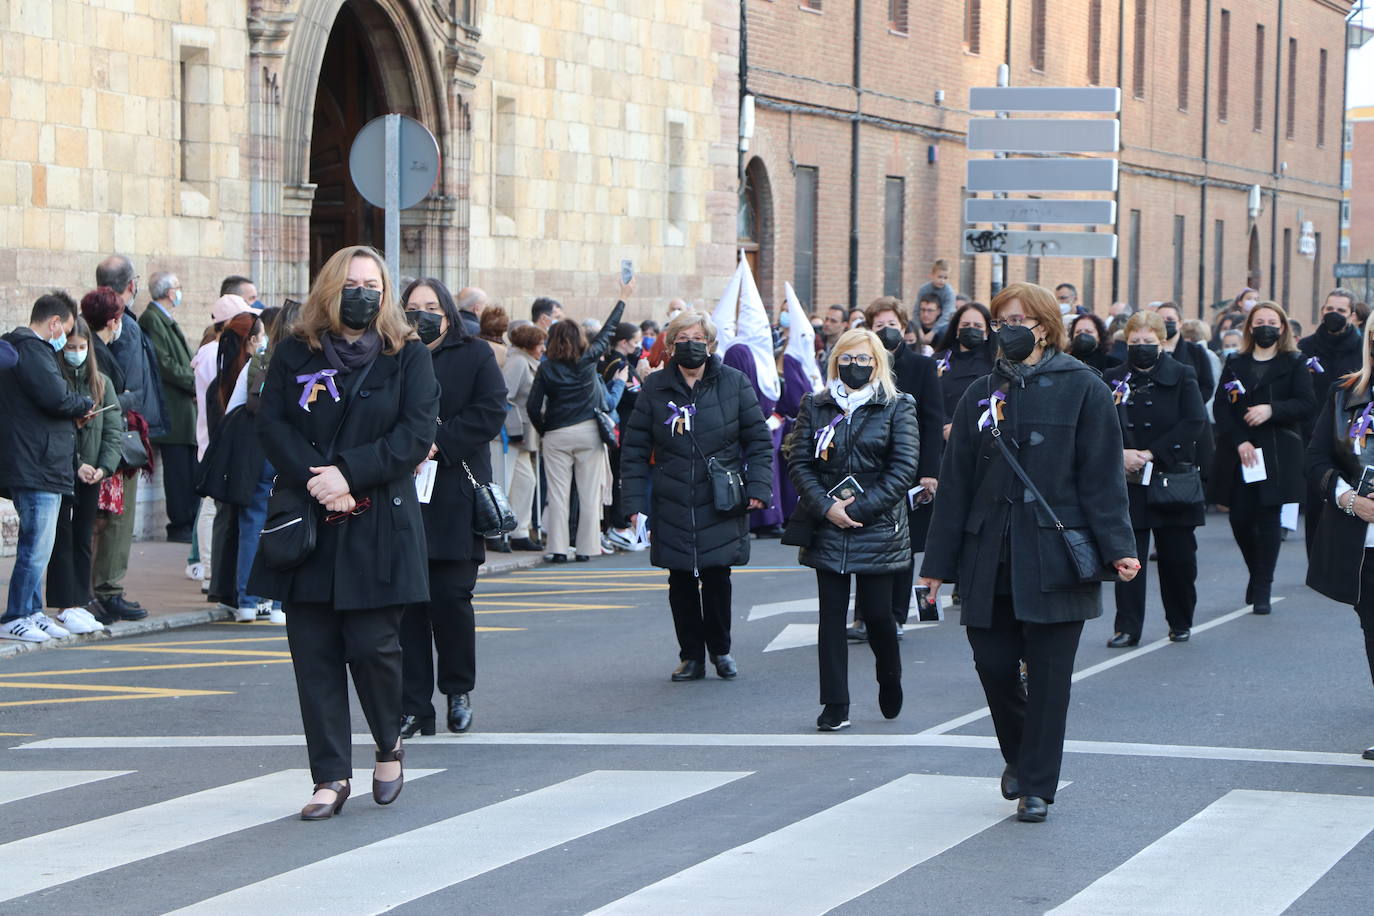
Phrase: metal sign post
pixel 394 162
pixel 393 195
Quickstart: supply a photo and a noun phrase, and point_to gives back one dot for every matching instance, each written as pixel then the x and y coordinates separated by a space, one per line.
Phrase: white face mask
pixel 119 329
pixel 75 358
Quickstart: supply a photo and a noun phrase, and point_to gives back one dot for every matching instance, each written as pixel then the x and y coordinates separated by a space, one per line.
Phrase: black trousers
pixel 1365 607
pixel 69 569
pixel 1257 532
pixel 872 604
pixel 1177 571
pixel 327 645
pixel 901 591
pixel 224 555
pixel 444 624
pixel 179 488
pixel 1030 725
pixel 701 612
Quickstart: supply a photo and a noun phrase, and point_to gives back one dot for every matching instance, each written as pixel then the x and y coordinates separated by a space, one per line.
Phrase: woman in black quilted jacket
pixel 693 410
pixel 852 457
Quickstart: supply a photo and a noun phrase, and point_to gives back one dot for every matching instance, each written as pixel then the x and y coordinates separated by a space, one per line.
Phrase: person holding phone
pixel 852 455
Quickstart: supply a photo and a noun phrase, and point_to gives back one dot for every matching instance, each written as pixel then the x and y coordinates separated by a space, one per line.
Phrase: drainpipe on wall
pixel 1274 196
pixel 1121 118
pixel 854 158
pixel 1202 203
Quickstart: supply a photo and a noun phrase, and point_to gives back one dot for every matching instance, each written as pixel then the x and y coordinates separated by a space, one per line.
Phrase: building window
pixel 1133 272
pixel 1037 36
pixel 1257 122
pixel 1290 121
pixel 1321 97
pixel 1286 300
pixel 804 238
pixel 1179 239
pixel 1345 213
pixel 811 5
pixel 896 15
pixel 194 157
pixel 1224 66
pixel 1095 42
pixel 894 233
pixel 1218 261
pixel 677 183
pixel 1138 52
pixel 973 26
pixel 1348 136
pixel 503 167
pixel 1345 174
pixel 1185 29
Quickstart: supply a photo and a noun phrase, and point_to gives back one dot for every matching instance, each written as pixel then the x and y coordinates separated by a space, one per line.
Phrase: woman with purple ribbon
pixel 1340 459
pixel 347 412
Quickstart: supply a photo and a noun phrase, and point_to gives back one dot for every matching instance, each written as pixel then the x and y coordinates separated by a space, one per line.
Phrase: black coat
pixel 917 376
pixel 472 408
pixel 1336 558
pixel 1165 416
pixel 37 407
pixel 566 394
pixel 1101 361
pixel 728 425
pixel 959 368
pixel 1195 354
pixel 1287 388
pixel 880 446
pixel 1336 355
pixel 232 464
pixel 1062 425
pixel 375 559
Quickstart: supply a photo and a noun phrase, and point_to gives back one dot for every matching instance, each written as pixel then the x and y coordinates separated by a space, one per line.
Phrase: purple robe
pixel 741 357
pixel 795 386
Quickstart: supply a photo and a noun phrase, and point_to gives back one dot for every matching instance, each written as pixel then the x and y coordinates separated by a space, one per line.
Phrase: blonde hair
pixel 1286 343
pixel 1040 305
pixel 882 360
pixel 1146 321
pixel 1358 382
pixel 320 314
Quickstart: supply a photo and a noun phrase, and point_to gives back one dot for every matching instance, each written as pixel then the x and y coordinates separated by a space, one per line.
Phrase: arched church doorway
pixel 1253 269
pixel 754 227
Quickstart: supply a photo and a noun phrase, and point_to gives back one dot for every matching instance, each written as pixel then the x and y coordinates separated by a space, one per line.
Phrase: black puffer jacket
pixel 37 407
pixel 728 425
pixel 880 446
pixel 565 394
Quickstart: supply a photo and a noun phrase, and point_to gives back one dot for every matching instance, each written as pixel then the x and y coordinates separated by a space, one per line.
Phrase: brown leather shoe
pixel 384 793
pixel 323 812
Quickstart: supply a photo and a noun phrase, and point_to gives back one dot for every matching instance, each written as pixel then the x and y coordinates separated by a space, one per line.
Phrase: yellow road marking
pixel 260 653
pixel 120 693
pixel 200 642
pixel 112 696
pixel 15 735
pixel 247 623
pixel 265 661
pixel 482 596
pixel 552 608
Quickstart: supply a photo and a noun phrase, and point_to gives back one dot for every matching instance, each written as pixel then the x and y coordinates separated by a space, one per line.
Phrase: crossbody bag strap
pixel 348 403
pixel 1025 478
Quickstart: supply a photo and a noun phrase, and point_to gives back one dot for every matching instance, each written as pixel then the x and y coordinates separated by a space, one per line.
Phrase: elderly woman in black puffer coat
pixel 852 456
pixel 695 409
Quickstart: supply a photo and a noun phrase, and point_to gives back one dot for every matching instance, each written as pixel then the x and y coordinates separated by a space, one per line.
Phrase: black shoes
pixel 1180 635
pixel 725 667
pixel 858 632
pixel 1032 809
pixel 556 558
pixel 690 671
pixel 1261 601
pixel 1368 753
pixel 118 607
pixel 384 793
pixel 1123 641
pixel 1011 786
pixel 413 725
pixel 323 812
pixel 459 713
pixel 833 717
pixel 526 544
pixel 582 558
pixel 890 698
pixel 498 545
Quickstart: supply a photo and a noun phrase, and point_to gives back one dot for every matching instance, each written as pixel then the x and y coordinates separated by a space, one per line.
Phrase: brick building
pixel 1212 108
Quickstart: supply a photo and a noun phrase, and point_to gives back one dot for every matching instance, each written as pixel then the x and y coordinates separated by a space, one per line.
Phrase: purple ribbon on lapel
pixel 1235 388
pixel 312 383
pixel 1361 427
pixel 1121 390
pixel 1315 365
pixel 681 416
pixel 992 415
pixel 943 365
pixel 826 435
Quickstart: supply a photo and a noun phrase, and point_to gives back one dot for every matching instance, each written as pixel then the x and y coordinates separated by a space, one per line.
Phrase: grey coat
pixel 1060 422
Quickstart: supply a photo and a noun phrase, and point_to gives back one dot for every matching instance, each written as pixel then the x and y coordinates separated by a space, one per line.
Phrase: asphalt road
pixel 1218 776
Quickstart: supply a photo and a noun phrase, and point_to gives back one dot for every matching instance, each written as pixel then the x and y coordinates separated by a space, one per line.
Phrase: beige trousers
pixel 524 473
pixel 575 451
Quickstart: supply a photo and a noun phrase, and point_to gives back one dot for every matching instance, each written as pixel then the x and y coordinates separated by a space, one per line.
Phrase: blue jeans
pixel 37 534
pixel 251 519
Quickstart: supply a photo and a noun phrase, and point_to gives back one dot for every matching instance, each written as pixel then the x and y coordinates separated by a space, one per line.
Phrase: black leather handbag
pixel 492 515
pixel 132 454
pixel 727 485
pixel 1178 489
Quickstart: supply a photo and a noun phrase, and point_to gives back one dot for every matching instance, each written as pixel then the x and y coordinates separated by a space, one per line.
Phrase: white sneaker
pixel 276 615
pixel 48 625
pixel 621 538
pixel 23 629
pixel 245 614
pixel 195 571
pixel 79 620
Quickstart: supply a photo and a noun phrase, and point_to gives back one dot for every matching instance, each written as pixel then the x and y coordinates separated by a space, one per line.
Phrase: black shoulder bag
pixel 289 534
pixel 492 515
pixel 727 485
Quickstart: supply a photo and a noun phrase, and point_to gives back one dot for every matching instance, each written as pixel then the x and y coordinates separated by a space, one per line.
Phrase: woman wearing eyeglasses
pixel 1057 421
pixel 347 412
pixel 852 456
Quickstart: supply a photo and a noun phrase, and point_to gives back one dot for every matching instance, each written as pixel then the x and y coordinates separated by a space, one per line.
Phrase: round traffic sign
pixel 417 161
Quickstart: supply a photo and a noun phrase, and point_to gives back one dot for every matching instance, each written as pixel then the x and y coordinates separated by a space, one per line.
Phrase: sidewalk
pixel 157 580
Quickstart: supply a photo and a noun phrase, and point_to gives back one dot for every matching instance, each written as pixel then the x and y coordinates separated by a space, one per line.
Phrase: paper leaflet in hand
pixel 424 479
pixel 1257 473
pixel 801 338
pixel 740 318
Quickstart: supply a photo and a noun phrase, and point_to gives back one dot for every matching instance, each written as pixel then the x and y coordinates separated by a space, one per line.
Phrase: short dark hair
pixel 648 326
pixel 116 272
pixel 624 331
pixel 1104 339
pixel 541 307
pixel 1068 286
pixel 233 284
pixel 567 342
pixel 52 304
pixel 838 308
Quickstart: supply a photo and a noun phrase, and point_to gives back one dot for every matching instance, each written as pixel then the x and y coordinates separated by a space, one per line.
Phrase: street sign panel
pixel 1023 210
pixel 1040 244
pixel 418 160
pixel 1348 270
pixel 1057 174
pixel 1044 135
pixel 1039 98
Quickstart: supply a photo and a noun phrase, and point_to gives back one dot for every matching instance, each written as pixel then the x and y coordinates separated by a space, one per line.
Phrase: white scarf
pixel 850 401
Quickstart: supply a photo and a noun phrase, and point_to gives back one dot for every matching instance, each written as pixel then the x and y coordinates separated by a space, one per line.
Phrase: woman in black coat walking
pixel 1056 418
pixel 692 410
pixel 852 456
pixel 1161 418
pixel 1262 401
pixel 1090 343
pixel 347 413
pixel 472 408
pixel 966 353
pixel 1341 561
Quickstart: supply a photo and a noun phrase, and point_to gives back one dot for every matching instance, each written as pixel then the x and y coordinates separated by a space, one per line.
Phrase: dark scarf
pixel 347 357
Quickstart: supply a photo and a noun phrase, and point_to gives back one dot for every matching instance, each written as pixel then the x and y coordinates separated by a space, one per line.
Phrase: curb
pixel 126 628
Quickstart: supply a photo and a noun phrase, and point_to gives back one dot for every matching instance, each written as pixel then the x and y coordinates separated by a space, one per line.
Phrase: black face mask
pixel 690 354
pixel 969 338
pixel 1265 336
pixel 1016 342
pixel 1143 356
pixel 426 324
pixel 1171 329
pixel 1083 345
pixel 855 377
pixel 1333 322
pixel 891 338
pixel 358 306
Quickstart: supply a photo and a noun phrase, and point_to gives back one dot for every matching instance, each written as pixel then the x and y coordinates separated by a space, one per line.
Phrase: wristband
pixel 1349 507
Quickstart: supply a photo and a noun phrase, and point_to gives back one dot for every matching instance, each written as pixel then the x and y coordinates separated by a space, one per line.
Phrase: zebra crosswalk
pixel 1244 852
